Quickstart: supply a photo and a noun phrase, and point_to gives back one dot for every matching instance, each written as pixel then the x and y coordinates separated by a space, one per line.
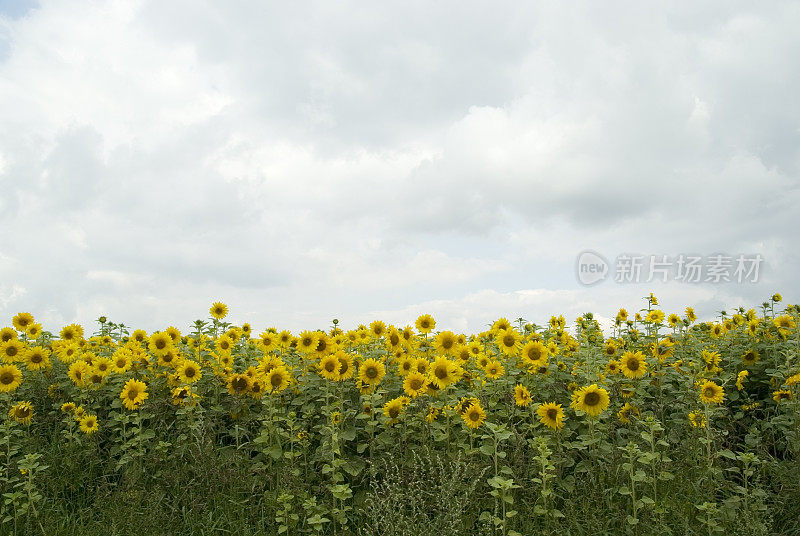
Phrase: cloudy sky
pixel 309 160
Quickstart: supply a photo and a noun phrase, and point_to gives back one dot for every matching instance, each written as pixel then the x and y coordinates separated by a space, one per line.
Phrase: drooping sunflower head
pixel 522 397
pixel 22 412
pixel 781 395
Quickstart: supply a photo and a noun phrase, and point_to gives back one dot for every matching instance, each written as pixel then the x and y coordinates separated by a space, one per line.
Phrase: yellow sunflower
pixel 371 372
pixel 494 369
pixel 425 323
pixel 508 340
pixel 12 351
pixel 474 415
pixel 551 415
pixel 592 400
pixel 443 372
pixel 238 384
pixel 627 411
pixel 88 424
pixel 134 392
pixel 394 408
pixel 345 365
pixel 77 372
pixel 329 367
pixel 22 320
pixel 522 397
pixel 415 384
pixel 160 343
pixel 750 357
pixel 308 342
pixel 22 412
pixel 780 395
pixel 445 342
pixel 534 352
pixel 218 310
pixel 633 364
pixel 189 371
pixel 711 393
pixel 278 379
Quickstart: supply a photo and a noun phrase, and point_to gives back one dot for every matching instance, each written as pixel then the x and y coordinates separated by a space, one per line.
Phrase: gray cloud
pixel 310 161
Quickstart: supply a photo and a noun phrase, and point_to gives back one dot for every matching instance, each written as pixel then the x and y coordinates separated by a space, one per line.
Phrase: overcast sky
pixel 303 161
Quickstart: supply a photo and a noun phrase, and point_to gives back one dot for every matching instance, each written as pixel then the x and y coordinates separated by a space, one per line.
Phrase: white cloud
pixel 302 162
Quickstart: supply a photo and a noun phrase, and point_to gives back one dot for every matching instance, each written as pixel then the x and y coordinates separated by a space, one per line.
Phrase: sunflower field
pixel 661 425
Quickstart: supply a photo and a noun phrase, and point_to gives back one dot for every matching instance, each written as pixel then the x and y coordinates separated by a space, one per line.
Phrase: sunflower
pixel 22 412
pixel 711 393
pixel 633 364
pixel 238 384
pixel 68 407
pixel 225 343
pixel 717 330
pixel 443 372
pixel 77 372
pixel 134 392
pixel 308 341
pixel 88 424
pixel 522 396
pixel 474 415
pixel 534 351
pixel 12 351
pixel 218 310
pixel 6 334
pixel 278 379
pixel 612 367
pixel 406 365
pixel 37 358
pixel 690 315
pixel 371 372
pixel 34 331
pixel 415 384
pixel 501 324
pixel 425 323
pixel 551 415
pixel 174 333
pixel 626 412
pixel 793 380
pixel 394 408
pixel 22 320
pixel 160 343
pixel 655 316
pixel 139 336
pixel 268 341
pixel 189 371
pixel 329 367
pixel 494 369
pixel 592 400
pixel 377 328
pixel 781 394
pixel 750 357
pixel 508 340
pixel 104 366
pixel 740 379
pixel 121 360
pixel 345 365
pixel 445 342
pixel 697 419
